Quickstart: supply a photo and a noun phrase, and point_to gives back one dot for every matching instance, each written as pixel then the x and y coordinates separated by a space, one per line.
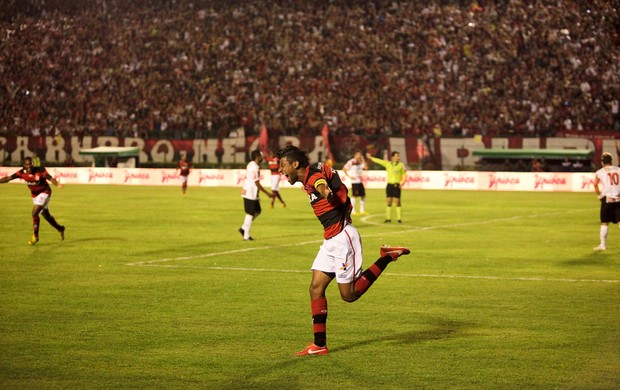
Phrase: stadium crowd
pixel 198 69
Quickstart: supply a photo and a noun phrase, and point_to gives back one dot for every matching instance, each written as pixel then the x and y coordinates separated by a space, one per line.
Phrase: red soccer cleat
pixel 393 251
pixel 313 349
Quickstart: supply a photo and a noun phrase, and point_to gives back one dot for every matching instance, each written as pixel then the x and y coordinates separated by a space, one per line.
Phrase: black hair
pixel 292 154
pixel 606 158
pixel 255 153
pixel 395 153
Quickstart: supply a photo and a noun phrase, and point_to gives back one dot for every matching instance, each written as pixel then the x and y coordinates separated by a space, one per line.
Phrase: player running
pixel 36 178
pixel 607 188
pixel 340 256
pixel 184 168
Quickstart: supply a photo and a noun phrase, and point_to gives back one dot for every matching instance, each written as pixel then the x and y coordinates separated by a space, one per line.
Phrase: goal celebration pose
pixel 340 255
pixel 36 178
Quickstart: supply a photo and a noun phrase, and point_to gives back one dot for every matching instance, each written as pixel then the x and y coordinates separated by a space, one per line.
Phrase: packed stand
pixel 203 69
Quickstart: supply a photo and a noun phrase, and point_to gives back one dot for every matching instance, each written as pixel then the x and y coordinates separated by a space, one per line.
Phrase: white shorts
pixel 183 179
pixel 275 182
pixel 341 255
pixel 42 199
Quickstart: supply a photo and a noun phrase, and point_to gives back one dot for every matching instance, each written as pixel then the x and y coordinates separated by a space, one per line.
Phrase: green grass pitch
pixel 155 290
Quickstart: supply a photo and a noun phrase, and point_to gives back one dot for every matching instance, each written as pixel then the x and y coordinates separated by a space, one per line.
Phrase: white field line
pixel 158 262
pixel 412 229
pixel 297 271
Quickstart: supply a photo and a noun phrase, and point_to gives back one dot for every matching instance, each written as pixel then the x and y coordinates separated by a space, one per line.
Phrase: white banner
pixel 417 180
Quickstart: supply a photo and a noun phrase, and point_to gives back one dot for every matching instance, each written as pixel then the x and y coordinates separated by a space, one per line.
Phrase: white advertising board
pixel 416 180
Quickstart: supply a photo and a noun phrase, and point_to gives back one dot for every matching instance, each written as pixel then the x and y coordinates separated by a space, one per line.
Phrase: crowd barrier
pixel 420 180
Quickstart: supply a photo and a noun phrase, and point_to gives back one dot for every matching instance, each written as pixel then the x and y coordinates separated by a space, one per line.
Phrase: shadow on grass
pixel 93 239
pixel 595 258
pixel 440 329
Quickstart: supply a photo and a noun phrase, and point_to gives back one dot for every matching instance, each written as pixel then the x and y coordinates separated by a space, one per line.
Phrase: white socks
pixel 247 225
pixel 604 229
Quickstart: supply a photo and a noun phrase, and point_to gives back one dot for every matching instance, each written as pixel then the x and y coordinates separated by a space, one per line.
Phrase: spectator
pixel 115 66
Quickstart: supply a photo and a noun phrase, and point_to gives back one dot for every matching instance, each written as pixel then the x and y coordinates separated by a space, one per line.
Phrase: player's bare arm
pixel 55 182
pixel 261 188
pixel 325 191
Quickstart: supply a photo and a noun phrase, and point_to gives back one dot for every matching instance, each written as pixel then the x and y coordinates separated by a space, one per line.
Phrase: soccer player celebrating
pixel 36 178
pixel 183 167
pixel 607 188
pixel 340 256
pixel 396 178
pixel 354 168
pixel 251 188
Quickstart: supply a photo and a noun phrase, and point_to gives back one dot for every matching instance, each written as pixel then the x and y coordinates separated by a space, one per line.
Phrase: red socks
pixel 319 321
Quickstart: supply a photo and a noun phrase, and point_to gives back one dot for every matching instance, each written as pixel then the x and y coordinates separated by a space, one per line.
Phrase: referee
pixel 396 178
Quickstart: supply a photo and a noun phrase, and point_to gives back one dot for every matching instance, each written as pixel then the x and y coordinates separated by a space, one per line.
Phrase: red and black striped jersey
pixel 273 164
pixel 184 167
pixel 36 180
pixel 335 213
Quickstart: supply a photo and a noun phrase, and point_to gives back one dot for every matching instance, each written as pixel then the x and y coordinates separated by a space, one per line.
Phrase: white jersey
pixel 354 170
pixel 609 184
pixel 252 174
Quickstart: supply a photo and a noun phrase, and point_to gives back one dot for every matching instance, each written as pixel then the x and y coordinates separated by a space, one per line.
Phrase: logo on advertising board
pixel 63 174
pixel 496 180
pixel 451 180
pixel 168 176
pixel 541 181
pixel 417 178
pixel 139 175
pixel 587 182
pixel 93 176
pixel 203 177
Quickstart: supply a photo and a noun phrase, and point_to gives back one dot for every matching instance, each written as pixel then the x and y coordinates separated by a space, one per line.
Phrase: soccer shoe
pixel 313 349
pixel 249 239
pixel 33 240
pixel 600 248
pixel 242 232
pixel 393 251
pixel 400 221
pixel 387 221
pixel 62 233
